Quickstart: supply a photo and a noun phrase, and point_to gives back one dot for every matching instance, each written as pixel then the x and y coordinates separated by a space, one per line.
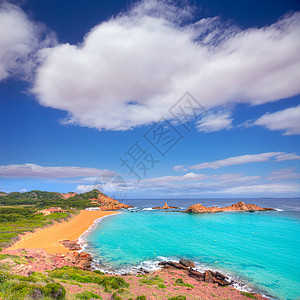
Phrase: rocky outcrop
pixel 240 206
pixel 187 263
pixel 68 195
pixel 71 245
pixel 82 260
pixel 208 276
pixel 107 203
pixel 38 260
pixel 166 206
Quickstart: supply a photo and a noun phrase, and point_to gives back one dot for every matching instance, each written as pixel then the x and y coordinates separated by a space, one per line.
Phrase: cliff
pixel 240 206
pixel 107 203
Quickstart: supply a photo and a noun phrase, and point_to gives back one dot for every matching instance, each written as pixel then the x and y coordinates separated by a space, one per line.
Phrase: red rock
pixel 166 206
pixel 240 206
pixel 208 277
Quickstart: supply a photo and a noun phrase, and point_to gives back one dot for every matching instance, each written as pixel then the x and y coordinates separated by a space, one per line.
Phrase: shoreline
pixel 81 239
pixel 49 238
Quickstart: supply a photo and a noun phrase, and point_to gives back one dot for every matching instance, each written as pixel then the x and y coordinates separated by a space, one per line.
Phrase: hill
pixel 43 199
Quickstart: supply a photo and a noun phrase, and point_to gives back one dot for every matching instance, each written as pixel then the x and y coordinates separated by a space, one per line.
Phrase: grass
pixel 86 295
pixel 180 282
pixel 75 274
pixel 152 280
pixel 179 297
pixel 13 289
pixel 249 295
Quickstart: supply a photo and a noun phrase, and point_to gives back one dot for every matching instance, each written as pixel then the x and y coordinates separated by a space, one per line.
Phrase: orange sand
pixel 48 238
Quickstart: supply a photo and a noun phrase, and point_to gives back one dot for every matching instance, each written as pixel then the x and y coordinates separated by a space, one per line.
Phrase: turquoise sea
pixel 260 250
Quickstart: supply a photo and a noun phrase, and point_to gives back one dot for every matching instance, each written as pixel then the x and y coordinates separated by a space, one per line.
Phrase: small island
pixel 240 206
pixel 166 206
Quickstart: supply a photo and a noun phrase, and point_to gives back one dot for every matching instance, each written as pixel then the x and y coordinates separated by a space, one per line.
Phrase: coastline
pixel 49 238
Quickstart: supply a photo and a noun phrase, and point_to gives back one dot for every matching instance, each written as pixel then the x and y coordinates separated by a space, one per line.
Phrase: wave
pixel 148 208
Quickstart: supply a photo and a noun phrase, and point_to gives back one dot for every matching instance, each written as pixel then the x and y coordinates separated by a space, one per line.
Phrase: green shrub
pixel 141 297
pixel 249 295
pixel 162 286
pixel 152 280
pixel 180 282
pixel 73 273
pixel 116 297
pixel 179 297
pixel 99 272
pixel 86 295
pixel 12 290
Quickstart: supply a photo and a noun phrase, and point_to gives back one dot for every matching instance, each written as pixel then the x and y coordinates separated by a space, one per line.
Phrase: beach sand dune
pixel 49 238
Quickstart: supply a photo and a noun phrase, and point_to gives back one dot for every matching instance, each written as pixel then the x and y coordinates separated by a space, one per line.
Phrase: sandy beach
pixel 49 238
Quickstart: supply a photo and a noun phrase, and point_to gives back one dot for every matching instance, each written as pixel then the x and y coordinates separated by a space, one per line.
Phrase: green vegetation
pixel 162 286
pixel 141 297
pixel 116 297
pixel 19 287
pixel 179 297
pixel 17 220
pixel 86 295
pixel 73 273
pixel 180 282
pixel 249 295
pixel 152 280
pixel 42 199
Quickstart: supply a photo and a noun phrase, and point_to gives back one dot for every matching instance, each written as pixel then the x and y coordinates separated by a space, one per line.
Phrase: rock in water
pixel 240 206
pixel 187 263
pixel 166 206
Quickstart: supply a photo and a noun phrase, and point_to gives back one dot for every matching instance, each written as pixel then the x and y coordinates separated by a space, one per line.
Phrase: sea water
pixel 259 250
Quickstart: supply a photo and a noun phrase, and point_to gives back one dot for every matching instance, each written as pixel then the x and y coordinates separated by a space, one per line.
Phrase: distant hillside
pixel 41 199
pixel 2 194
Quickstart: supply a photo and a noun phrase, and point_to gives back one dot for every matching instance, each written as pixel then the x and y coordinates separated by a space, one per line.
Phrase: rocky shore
pixel 173 281
pixel 240 206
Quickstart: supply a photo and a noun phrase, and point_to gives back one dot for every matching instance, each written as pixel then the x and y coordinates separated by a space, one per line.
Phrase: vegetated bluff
pixel 42 199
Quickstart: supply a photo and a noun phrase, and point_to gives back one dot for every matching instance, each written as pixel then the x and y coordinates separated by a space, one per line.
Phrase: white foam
pixel 153 265
pixel 148 208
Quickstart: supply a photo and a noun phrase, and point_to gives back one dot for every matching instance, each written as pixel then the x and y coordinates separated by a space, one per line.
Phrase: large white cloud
pixel 131 69
pixel 20 39
pixel 287 120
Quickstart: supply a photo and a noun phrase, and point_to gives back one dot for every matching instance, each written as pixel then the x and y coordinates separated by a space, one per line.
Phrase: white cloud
pixel 20 39
pixel 287 120
pixel 235 178
pixel 287 156
pixel 236 160
pixel 84 188
pixel 131 69
pixel 262 189
pixel 186 177
pixel 37 171
pixel 180 168
pixel 215 122
pixel 284 174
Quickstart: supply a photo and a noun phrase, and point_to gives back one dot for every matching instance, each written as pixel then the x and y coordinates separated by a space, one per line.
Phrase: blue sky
pixel 82 85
